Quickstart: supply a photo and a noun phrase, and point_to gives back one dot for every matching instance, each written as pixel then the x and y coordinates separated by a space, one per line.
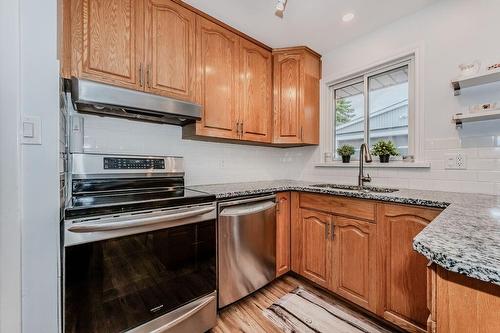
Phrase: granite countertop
pixel 464 238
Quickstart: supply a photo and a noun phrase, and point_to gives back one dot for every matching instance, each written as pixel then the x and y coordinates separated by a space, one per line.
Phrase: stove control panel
pixel 133 163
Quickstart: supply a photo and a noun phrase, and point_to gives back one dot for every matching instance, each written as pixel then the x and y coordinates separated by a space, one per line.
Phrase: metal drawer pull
pixel 106 226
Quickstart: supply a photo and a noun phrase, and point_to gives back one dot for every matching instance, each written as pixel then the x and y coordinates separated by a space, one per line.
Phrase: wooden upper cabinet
pixel 315 262
pixel 255 92
pixel 218 56
pixel 170 50
pixel 296 96
pixel 355 273
pixel 107 41
pixel 282 233
pixel 405 302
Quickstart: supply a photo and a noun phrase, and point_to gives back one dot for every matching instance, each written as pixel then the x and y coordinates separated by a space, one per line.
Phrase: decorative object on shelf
pixel 467 70
pixel 494 67
pixel 384 150
pixel 345 151
pixel 485 107
pixel 328 157
pixel 408 158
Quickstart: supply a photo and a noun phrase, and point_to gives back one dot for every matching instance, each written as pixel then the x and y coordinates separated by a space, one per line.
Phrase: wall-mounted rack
pixel 460 118
pixel 475 80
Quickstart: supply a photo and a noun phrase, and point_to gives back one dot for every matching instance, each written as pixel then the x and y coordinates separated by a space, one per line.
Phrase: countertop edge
pixel 464 267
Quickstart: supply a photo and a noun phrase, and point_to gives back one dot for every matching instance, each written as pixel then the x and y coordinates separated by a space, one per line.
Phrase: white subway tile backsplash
pixel 207 162
pixel 489 152
pixel 488 176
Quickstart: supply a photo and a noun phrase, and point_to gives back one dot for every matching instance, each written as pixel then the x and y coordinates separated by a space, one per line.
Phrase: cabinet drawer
pixel 361 209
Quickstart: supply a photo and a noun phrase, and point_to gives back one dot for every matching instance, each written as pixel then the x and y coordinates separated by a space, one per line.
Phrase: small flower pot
pixel 384 158
pixel 346 159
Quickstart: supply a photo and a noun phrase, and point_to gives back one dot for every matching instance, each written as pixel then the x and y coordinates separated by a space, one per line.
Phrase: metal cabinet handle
pixel 241 129
pixel 141 76
pixel 148 75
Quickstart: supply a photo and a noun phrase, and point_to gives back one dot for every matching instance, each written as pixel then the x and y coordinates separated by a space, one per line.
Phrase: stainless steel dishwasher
pixel 247 246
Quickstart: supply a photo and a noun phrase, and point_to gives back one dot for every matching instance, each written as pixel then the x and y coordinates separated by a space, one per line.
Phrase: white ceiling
pixel 314 23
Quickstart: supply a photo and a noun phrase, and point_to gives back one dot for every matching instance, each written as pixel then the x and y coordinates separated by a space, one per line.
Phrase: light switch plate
pixel 31 130
pixel 455 161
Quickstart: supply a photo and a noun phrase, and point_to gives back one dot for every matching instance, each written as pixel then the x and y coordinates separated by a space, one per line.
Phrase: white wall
pixel 40 175
pixel 205 162
pixel 10 200
pixel 448 33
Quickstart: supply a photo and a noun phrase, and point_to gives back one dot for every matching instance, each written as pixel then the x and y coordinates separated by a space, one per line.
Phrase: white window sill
pixel 391 164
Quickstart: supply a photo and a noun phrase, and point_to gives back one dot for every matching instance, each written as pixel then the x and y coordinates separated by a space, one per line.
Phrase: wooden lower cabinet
pixel 363 251
pixel 282 233
pixel 462 304
pixel 355 272
pixel 405 271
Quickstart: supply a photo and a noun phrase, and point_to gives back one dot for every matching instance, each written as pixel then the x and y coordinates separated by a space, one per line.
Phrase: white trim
pixel 414 51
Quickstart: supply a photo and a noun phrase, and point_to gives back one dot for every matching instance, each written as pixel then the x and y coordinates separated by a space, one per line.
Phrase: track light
pixel 280 7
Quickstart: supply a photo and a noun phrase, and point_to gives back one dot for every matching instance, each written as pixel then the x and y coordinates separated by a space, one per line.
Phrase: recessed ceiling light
pixel 348 17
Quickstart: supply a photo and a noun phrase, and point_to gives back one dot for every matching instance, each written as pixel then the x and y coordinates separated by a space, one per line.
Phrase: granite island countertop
pixel 464 238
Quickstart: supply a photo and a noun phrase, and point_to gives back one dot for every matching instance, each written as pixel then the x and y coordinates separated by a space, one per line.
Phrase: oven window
pixel 117 284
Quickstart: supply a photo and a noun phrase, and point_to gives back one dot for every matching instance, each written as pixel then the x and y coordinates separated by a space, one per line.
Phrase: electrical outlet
pixel 455 161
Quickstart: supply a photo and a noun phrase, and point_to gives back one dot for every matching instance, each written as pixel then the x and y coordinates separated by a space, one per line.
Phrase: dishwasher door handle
pixel 248 209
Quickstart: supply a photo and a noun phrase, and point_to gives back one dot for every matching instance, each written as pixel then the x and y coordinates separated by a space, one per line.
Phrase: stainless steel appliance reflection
pixel 247 246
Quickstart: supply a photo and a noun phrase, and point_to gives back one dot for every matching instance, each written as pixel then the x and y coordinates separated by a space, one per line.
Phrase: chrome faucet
pixel 364 154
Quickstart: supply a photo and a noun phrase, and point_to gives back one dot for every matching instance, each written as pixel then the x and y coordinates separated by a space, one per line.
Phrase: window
pixel 376 105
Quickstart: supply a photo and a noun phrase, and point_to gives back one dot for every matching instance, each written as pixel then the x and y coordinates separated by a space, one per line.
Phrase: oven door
pixel 154 271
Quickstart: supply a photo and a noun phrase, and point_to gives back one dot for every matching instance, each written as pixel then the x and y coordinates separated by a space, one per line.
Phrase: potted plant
pixel 384 150
pixel 345 151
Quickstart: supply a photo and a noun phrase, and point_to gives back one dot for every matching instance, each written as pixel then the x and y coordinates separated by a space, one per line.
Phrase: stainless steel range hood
pixel 102 99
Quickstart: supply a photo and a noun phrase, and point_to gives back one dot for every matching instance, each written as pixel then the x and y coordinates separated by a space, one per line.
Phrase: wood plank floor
pixel 246 315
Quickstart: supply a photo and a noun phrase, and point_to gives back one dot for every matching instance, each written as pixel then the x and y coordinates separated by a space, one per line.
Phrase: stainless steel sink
pixel 355 188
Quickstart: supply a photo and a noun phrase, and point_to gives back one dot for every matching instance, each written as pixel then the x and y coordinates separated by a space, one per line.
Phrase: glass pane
pixel 388 108
pixel 349 116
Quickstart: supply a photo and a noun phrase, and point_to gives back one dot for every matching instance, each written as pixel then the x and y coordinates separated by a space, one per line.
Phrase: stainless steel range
pixel 139 249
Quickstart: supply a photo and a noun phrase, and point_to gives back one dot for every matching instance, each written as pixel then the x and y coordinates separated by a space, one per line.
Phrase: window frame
pixel 364 77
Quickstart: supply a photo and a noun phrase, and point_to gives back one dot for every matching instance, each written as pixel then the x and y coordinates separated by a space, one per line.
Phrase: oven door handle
pixel 115 225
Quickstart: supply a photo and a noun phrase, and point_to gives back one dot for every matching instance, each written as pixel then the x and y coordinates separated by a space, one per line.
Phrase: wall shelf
pixel 460 118
pixel 475 80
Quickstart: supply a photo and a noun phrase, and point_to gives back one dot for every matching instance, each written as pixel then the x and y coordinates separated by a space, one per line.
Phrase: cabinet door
pixel 111 41
pixel 354 248
pixel 287 97
pixel 282 233
pixel 405 270
pixel 170 50
pixel 217 50
pixel 255 92
pixel 315 247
